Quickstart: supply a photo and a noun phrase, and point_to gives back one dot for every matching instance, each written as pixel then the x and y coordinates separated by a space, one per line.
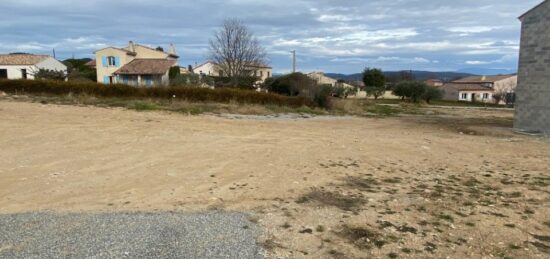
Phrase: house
pixel 210 68
pixel 467 93
pixel 434 82
pixel 322 79
pixel 533 92
pixel 487 89
pixel 135 65
pixel 25 66
pixel 91 64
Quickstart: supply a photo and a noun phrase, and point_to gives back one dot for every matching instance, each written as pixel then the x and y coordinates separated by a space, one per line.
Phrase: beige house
pixel 135 65
pixel 210 68
pixel 322 79
pixel 480 88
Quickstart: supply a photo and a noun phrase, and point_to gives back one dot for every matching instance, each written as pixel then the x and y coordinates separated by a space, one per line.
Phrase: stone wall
pixel 533 91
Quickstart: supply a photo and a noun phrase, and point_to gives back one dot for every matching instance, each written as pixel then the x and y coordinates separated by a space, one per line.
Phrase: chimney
pixel 172 49
pixel 131 46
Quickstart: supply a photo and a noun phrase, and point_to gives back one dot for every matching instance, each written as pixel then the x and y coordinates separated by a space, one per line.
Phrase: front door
pixel 3 74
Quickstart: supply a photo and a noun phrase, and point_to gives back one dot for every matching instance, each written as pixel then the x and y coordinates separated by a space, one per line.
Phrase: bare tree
pixel 235 48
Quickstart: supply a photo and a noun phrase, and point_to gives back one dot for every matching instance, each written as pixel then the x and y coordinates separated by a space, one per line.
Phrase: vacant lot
pixel 456 183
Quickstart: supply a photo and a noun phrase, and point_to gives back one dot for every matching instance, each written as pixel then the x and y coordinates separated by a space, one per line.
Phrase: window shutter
pixel 117 61
pixel 104 61
pixel 106 80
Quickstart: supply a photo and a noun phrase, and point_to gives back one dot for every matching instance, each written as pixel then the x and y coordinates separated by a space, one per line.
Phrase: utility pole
pixel 54 53
pixel 293 61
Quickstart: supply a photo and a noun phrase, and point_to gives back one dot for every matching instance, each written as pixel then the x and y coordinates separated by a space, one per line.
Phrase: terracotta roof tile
pixel 21 59
pixel 482 79
pixel 146 67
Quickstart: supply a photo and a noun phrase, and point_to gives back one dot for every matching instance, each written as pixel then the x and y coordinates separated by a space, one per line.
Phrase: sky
pixel 339 36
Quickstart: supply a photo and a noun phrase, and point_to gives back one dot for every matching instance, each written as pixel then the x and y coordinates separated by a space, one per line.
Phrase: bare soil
pixel 457 183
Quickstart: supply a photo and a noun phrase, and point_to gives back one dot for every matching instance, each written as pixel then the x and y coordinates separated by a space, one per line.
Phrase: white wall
pixel 14 72
pixel 478 96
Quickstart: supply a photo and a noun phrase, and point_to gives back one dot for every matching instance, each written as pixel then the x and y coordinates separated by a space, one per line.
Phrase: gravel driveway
pixel 128 235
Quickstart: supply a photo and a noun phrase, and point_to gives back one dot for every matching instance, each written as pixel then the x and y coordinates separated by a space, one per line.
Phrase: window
pixel 4 73
pixel 268 74
pixel 485 96
pixel 24 73
pixel 111 61
pixel 261 73
pixel 464 96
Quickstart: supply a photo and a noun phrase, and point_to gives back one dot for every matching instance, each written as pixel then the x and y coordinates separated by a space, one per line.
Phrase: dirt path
pixel 322 187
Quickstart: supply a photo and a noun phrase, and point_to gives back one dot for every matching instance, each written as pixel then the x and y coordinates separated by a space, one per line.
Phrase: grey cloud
pixel 335 36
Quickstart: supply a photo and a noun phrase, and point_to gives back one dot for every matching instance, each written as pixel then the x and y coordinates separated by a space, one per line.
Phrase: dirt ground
pixel 455 184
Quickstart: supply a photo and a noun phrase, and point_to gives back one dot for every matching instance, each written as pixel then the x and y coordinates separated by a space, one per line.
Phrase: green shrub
pixel 414 90
pixel 432 93
pixel 194 94
pixel 298 84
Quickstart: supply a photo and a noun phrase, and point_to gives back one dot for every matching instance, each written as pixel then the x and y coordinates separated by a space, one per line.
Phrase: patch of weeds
pixel 510 225
pixel 336 254
pixel 546 223
pixel 270 244
pixel 542 247
pixel 334 199
pixel 423 223
pixel 514 195
pixel 383 110
pixel 542 238
pixel 472 182
pixel 506 181
pixel 430 247
pixel 392 180
pixel 406 250
pixel 364 184
pixel 393 255
pixel 406 228
pixel 362 237
pixel 320 228
pixel 514 246
pixel 144 106
pixel 193 110
pixel 286 225
pixel 470 224
pixel 529 211
pixel 446 217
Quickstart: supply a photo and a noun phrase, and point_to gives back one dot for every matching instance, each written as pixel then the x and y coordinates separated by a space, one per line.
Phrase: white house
pixel 210 68
pixel 25 66
pixel 481 88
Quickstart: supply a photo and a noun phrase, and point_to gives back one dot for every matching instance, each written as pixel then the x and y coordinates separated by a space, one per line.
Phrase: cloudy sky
pixel 341 36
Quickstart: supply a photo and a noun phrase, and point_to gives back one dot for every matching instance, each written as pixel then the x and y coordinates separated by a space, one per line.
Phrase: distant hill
pixel 487 71
pixel 418 75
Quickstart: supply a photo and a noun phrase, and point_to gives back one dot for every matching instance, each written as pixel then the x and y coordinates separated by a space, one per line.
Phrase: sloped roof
pixel 21 59
pixel 91 63
pixel 468 87
pixel 482 79
pixel 146 67
pixel 532 9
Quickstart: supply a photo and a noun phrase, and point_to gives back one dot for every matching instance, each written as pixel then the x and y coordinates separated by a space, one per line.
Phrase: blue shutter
pixel 117 61
pixel 106 80
pixel 104 61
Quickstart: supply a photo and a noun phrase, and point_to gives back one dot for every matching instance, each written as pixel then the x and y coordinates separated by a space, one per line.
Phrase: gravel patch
pixel 128 235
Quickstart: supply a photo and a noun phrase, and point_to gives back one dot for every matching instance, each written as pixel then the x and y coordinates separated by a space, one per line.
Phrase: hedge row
pixel 193 94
